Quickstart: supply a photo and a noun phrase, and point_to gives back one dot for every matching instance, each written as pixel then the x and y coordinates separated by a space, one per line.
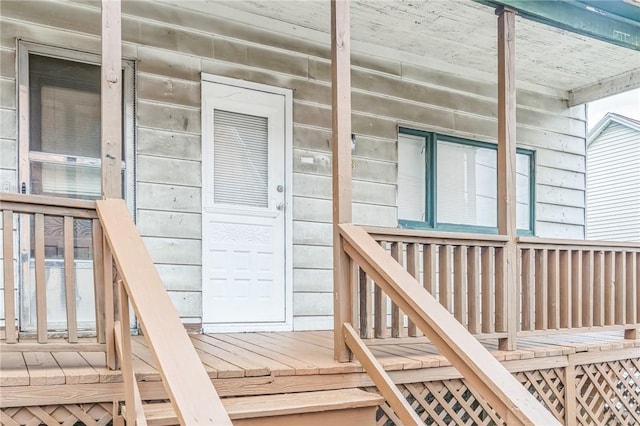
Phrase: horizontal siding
pixel 171 50
pixel 613 184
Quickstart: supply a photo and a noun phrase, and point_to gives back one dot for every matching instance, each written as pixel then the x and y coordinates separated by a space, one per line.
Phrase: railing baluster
pixel 500 260
pixel 366 302
pixel 553 289
pixel 444 273
pixel 609 287
pixel 588 275
pixel 620 274
pixel 429 252
pixel 473 289
pixel 565 288
pixel 488 300
pixel 41 287
pixel 528 297
pixel 98 279
pixel 380 308
pixel 8 275
pixel 632 289
pixel 70 280
pixel 460 284
pixel 109 311
pixel 413 267
pixel 598 288
pixel 576 288
pixel 396 314
pixel 541 290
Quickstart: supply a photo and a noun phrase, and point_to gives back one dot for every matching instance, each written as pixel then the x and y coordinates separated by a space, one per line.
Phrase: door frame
pixel 287 325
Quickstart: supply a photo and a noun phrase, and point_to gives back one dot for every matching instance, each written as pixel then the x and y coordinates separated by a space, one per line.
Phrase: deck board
pixel 14 370
pixel 257 363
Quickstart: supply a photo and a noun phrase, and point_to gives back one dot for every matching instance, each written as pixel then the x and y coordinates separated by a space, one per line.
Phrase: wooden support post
pixel 111 100
pixel 341 151
pixel 507 166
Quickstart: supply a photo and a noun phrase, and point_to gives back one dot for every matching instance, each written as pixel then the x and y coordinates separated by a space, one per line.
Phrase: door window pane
pixel 240 159
pixel 65 180
pixel 65 107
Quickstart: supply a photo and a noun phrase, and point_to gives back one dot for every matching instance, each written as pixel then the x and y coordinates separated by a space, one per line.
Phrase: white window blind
pixel 240 163
pixel 70 121
pixel 411 178
pixel 466 184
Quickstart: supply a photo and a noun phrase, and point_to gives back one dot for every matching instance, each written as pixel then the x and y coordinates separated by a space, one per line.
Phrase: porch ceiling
pixel 455 35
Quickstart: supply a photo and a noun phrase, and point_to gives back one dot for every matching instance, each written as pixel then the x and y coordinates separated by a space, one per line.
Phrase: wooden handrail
pixel 380 378
pixel 483 372
pixel 54 206
pixel 578 243
pixel 437 237
pixel 192 394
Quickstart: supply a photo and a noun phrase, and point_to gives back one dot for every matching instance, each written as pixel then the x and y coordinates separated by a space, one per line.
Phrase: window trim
pixel 431 223
pixel 25 48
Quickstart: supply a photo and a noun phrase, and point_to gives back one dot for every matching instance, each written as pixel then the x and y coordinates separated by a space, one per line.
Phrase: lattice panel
pixel 608 393
pixel 448 402
pixel 548 387
pixel 58 415
pixel 451 402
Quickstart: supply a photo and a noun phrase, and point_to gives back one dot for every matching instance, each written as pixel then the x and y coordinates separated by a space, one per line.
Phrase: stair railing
pixel 185 380
pixel 482 371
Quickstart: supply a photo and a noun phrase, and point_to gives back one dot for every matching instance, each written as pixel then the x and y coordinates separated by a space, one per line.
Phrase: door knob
pixel 280 206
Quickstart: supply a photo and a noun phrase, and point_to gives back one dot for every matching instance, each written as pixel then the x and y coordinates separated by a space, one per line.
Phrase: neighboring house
pixel 613 179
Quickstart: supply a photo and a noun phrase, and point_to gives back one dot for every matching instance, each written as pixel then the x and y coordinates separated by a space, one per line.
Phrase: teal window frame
pixel 431 197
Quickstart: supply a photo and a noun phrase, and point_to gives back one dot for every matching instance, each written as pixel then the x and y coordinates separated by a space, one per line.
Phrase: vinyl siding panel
pixel 171 49
pixel 613 184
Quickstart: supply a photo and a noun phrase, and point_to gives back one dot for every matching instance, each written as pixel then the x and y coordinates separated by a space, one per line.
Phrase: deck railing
pixel 473 288
pixel 571 285
pixel 103 233
pixel 59 235
pixel 563 286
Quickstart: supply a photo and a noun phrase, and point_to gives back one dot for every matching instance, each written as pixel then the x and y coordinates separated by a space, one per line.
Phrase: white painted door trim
pixel 287 324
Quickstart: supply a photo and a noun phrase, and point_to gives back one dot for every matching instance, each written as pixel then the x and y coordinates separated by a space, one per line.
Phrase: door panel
pixel 244 215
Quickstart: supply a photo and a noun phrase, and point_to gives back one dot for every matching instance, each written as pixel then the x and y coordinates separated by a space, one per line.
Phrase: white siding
pixel 172 48
pixel 613 184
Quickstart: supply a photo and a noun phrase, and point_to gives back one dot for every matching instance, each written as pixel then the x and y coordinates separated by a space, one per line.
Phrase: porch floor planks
pixel 247 357
pixel 207 345
pixel 98 361
pixel 14 370
pixel 43 369
pixel 316 354
pixel 257 343
pixel 76 369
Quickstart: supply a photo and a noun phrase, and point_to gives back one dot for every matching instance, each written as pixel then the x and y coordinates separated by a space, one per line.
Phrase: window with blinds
pixel 64 127
pixel 240 159
pixel 450 183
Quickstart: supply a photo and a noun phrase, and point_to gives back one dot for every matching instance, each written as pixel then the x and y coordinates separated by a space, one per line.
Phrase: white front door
pixel 245 195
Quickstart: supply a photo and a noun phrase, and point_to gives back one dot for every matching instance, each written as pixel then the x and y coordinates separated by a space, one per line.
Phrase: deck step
pixel 336 407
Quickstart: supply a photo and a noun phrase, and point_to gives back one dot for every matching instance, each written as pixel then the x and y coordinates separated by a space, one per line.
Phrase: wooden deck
pixel 266 363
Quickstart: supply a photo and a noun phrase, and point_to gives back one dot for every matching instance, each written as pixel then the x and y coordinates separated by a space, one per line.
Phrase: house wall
pixel 172 48
pixel 613 184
